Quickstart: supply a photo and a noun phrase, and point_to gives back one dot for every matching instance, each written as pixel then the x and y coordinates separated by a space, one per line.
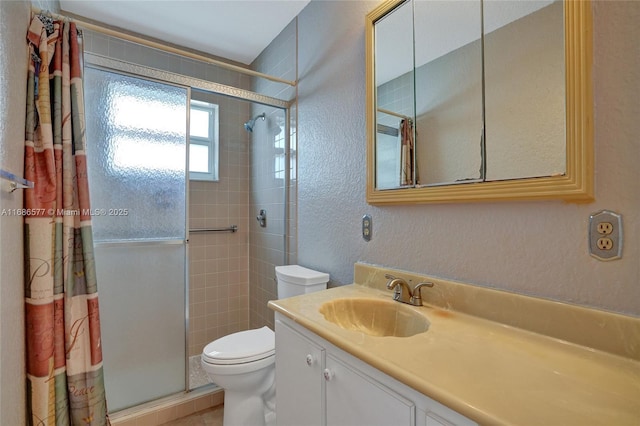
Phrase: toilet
pixel 243 363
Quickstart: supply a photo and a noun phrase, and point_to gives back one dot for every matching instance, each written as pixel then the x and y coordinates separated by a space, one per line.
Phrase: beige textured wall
pixel 537 248
pixel 14 20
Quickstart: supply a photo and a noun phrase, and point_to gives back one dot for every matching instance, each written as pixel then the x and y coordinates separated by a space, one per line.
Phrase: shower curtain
pixel 406 153
pixel 64 355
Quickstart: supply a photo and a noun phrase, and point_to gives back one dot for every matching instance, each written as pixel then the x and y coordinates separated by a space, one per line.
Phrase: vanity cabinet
pixel 320 384
pixel 353 398
pixel 299 367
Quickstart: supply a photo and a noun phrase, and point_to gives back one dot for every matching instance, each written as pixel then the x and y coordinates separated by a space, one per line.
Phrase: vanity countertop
pixel 491 372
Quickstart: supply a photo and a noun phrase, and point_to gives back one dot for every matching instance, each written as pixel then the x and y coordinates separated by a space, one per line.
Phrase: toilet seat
pixel 241 347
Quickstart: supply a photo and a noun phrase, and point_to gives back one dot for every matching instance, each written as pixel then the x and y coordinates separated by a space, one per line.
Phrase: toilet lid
pixel 241 347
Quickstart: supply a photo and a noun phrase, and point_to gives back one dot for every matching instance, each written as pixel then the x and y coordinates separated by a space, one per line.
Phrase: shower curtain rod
pixel 395 114
pixel 160 46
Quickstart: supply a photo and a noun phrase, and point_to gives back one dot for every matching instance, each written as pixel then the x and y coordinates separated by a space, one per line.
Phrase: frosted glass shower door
pixel 136 133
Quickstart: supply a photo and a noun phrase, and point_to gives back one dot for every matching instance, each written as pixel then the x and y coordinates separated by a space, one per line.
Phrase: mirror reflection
pixel 479 97
pixel 448 91
pixel 524 89
pixel 395 99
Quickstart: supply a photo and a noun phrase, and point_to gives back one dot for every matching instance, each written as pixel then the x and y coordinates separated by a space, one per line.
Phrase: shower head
pixel 248 126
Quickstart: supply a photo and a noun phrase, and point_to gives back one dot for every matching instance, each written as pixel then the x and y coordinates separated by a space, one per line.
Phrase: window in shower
pixel 203 141
pixel 280 160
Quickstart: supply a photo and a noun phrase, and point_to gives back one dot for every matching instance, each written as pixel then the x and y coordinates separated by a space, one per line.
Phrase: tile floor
pixel 209 417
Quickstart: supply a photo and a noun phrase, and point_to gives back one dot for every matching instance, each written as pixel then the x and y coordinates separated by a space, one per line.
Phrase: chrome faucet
pixel 402 291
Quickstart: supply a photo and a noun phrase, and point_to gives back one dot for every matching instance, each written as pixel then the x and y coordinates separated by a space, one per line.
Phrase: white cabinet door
pixel 434 420
pixel 354 399
pixel 443 416
pixel 300 387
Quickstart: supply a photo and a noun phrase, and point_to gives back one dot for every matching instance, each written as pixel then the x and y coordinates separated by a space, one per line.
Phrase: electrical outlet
pixel 604 243
pixel 605 235
pixel 604 228
pixel 367 226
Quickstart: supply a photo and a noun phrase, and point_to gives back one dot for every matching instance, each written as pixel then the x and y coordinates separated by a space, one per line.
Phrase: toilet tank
pixel 294 280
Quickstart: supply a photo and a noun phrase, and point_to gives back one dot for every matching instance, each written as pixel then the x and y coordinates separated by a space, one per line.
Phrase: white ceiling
pixel 233 29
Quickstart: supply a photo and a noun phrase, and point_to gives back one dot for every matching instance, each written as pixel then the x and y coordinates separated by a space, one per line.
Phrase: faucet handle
pixel 391 278
pixel 395 284
pixel 416 298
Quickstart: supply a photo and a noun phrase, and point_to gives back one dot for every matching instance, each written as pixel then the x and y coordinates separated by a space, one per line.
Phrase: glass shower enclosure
pixel 138 127
pixel 138 181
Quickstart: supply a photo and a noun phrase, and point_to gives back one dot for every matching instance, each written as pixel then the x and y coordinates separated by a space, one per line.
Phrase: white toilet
pixel 243 363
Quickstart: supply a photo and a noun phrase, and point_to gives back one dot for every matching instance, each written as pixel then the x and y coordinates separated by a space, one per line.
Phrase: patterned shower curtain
pixel 65 383
pixel 406 153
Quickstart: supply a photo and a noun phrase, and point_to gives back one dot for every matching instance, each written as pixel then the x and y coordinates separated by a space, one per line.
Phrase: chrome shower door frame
pixel 190 83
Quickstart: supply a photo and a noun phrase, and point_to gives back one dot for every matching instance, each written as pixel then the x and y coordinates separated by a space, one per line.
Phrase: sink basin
pixel 374 317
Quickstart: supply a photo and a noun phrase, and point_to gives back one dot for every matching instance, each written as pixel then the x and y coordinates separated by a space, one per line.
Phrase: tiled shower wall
pixel 267 248
pixel 218 261
pixel 219 273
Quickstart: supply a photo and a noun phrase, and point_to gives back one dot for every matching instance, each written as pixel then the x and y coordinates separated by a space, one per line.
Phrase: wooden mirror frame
pixel 575 186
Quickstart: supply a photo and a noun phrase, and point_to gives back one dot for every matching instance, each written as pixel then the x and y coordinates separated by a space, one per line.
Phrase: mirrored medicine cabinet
pixel 479 100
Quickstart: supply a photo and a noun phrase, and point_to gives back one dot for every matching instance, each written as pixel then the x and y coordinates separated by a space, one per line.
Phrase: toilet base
pixel 243 410
pixel 249 391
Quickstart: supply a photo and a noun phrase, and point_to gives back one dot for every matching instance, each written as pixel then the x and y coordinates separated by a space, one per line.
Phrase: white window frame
pixel 212 142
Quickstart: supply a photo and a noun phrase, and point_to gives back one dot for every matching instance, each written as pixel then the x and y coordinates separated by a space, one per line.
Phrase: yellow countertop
pixel 488 371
